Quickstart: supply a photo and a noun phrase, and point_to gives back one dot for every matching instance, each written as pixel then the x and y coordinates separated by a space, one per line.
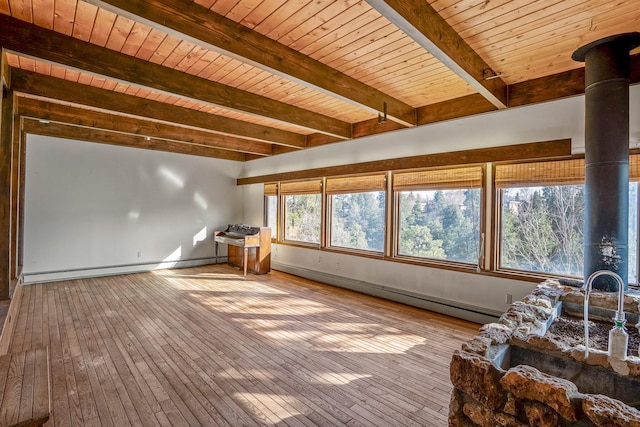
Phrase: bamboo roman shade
pixel 301 187
pixel 468 177
pixel 634 167
pixel 271 189
pixel 356 184
pixel 560 172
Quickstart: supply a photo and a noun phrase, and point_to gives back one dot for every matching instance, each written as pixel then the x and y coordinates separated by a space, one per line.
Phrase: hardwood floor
pixel 202 346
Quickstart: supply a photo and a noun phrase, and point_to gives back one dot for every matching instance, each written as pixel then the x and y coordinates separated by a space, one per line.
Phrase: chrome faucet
pixel 619 318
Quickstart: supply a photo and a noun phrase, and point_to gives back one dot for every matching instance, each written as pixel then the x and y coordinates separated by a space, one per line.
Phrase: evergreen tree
pixel 302 218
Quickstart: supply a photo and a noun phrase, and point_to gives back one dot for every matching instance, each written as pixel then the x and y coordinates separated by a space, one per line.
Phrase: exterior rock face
pixel 486 394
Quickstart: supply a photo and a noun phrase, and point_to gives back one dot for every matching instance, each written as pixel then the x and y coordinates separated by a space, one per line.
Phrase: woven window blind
pixel 301 187
pixel 634 168
pixel 271 189
pixel 356 184
pixel 561 172
pixel 468 177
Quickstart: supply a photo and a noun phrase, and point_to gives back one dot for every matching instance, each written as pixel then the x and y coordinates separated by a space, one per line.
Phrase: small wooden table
pixel 239 238
pixel 24 388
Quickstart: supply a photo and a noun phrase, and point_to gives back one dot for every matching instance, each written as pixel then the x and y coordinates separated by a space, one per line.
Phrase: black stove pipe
pixel 607 67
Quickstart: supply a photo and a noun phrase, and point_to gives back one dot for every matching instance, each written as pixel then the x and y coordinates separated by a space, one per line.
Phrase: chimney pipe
pixel 607 67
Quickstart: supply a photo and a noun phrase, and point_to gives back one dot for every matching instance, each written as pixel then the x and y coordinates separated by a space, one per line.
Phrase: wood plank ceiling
pixel 243 79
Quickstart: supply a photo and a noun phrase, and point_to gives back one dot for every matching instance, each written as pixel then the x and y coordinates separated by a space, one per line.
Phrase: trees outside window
pixel 440 224
pixel 302 213
pixel 543 229
pixel 357 220
pixel 437 214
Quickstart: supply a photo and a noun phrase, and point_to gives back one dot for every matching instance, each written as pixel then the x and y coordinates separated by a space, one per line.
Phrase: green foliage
pixel 441 224
pixel 418 241
pixel 357 220
pixel 302 218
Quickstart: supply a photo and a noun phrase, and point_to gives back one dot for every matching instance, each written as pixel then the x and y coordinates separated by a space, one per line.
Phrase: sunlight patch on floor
pixel 277 410
pixel 339 378
pixel 363 343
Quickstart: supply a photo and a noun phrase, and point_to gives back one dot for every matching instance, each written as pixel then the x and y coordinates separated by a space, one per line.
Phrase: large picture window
pixel 542 229
pixel 302 211
pixel 438 214
pixel 357 212
pixel 542 218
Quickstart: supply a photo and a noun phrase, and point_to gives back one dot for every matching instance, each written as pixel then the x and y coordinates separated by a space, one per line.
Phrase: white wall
pixel 549 121
pixel 91 208
pixel 94 209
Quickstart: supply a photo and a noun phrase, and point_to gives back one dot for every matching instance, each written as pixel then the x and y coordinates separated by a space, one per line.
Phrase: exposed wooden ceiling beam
pixel 5 69
pixel 192 22
pixel 552 87
pixel 455 108
pixel 534 150
pixel 60 130
pixel 420 21
pixel 53 88
pixel 31 40
pixel 49 111
pixel 543 89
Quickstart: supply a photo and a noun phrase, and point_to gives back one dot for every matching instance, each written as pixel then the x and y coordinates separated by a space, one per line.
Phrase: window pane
pixel 302 218
pixel 633 232
pixel 271 205
pixel 357 220
pixel 542 229
pixel 442 224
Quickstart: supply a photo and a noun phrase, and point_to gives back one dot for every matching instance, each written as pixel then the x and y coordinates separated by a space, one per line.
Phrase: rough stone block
pixel 479 414
pixel 526 382
pixel 498 333
pixel 540 415
pixel 477 345
pixel 456 416
pixel 551 289
pixel 511 406
pixel 544 344
pixel 604 411
pixel 477 377
pixel 505 420
pixel 531 311
pixel 541 301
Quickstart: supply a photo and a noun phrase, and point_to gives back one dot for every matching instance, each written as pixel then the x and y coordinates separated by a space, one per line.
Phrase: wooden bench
pixel 24 388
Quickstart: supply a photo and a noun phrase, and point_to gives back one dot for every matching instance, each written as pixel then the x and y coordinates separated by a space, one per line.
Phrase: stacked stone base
pixel 523 396
pixel 487 395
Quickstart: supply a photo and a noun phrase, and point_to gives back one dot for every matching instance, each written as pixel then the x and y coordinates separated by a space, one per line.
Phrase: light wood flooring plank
pixel 203 346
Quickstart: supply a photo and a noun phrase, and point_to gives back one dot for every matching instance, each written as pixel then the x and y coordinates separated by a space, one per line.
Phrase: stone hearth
pixel 495 383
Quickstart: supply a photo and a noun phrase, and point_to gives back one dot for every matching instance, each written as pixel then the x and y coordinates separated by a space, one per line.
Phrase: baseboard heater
pixel 112 270
pixel 451 308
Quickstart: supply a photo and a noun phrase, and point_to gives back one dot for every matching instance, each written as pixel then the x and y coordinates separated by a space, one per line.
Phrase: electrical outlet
pixel 508 298
pixel 337 266
pixel 139 254
pixel 319 259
